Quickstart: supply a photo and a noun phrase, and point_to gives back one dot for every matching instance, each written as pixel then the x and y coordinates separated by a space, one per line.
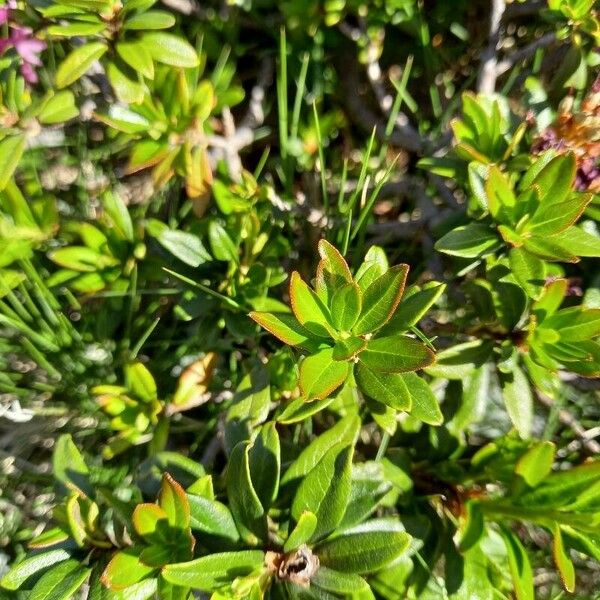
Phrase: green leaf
pixel 249 407
pixel 520 569
pixel 60 582
pixel 387 388
pixel 212 572
pixel 396 354
pixel 81 258
pixel 332 272
pixel 575 324
pixel 528 270
pixel 265 462
pixel 245 505
pixel 424 405
pixel 321 375
pixel 185 246
pixel 369 487
pixel 125 569
pixel 140 382
pixel 500 196
pixel 562 487
pixel 374 266
pixel 11 151
pixel 116 209
pixel 76 29
pixel 415 303
pixel 302 532
pixel 459 361
pixel 348 348
pixel 469 241
pixel 554 182
pixel 346 304
pixel 146 518
pixel 308 308
pixel 212 517
pixel 563 561
pixel 339 583
pixel 68 466
pixel 536 463
pixel 578 241
pixel 173 500
pixel 78 62
pixel 170 49
pixel 127 90
pixel 59 108
pixel 380 300
pixel 518 399
pixel 298 409
pixel 221 244
pixel 22 571
pixel 471 526
pixel 333 261
pixel 364 549
pixel 344 431
pixel 286 328
pixel 476 392
pixel 550 299
pixel 151 19
pixel 325 490
pixel 554 218
pixel 137 57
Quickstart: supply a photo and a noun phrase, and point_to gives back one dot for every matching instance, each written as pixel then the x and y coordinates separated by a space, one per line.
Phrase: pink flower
pixel 27 47
pixel 5 10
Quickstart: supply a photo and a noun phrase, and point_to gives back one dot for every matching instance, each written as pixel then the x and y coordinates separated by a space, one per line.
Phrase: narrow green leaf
pixel 265 462
pixel 536 463
pixel 78 62
pixel 212 517
pixel 11 151
pixel 140 382
pixel 425 406
pixel 344 431
pixel 388 388
pixel 325 490
pixel 528 270
pixel 302 532
pixel 137 57
pixel 308 308
pixel 518 399
pixel 415 303
pixel 170 49
pixel 285 327
pixel 555 180
pixel 364 549
pixel 520 569
pixel 22 571
pixel 173 500
pixel 61 582
pixel 212 572
pixel 380 300
pixel 245 504
pixel 396 354
pixel 469 241
pixel 346 305
pixel 151 19
pixel 125 569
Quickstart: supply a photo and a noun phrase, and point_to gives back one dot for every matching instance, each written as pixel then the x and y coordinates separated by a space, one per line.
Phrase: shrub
pixel 299 299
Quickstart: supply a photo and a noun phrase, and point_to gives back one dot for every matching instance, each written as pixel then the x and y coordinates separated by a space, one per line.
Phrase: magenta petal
pixel 29 73
pixel 4 14
pixel 29 50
